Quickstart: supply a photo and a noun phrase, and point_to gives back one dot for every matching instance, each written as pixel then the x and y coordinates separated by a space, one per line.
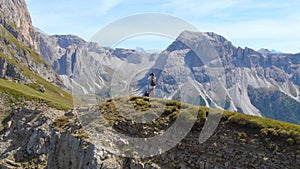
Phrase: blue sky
pixel 253 23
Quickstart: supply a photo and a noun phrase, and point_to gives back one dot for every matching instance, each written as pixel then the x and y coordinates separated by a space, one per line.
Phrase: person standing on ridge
pixel 152 81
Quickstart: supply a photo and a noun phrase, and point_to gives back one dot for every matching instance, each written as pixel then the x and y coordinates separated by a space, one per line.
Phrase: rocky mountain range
pixel 41 128
pixel 89 69
pixel 254 82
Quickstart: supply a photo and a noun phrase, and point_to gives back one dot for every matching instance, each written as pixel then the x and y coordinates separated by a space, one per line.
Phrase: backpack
pixel 146 93
pixel 153 82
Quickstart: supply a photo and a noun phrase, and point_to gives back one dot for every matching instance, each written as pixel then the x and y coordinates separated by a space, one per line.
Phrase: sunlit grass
pixel 54 98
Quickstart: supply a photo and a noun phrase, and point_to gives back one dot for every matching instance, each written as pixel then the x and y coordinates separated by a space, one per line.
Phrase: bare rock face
pixel 16 19
pixel 70 152
pixel 70 147
pixel 25 135
pixel 9 70
pixel 76 61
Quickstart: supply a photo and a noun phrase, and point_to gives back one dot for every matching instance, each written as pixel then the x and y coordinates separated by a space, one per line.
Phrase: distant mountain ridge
pixel 242 68
pixel 88 68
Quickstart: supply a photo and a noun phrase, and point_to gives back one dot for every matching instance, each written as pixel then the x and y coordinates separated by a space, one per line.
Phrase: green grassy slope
pixel 12 50
pixel 53 96
pixel 275 104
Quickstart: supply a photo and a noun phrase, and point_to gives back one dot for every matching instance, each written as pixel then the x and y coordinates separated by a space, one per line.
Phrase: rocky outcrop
pixel 25 138
pixel 8 70
pixel 225 149
pixel 70 152
pixel 67 151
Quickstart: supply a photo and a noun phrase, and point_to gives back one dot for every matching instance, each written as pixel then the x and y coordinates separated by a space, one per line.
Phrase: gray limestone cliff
pixel 16 19
pixel 19 45
pixel 25 136
pixel 90 69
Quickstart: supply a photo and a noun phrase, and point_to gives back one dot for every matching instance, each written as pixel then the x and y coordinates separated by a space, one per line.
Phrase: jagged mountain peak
pixel 199 36
pixel 67 40
pixel 269 52
pixel 264 51
pixel 190 39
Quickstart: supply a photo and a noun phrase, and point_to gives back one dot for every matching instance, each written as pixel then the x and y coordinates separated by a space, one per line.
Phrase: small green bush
pixel 290 141
pixel 241 135
pixel 61 122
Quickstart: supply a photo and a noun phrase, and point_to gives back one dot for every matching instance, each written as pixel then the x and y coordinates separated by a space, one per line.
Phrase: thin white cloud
pixel 197 8
pixel 276 34
pixel 77 17
pixel 258 4
pixel 107 5
pixel 248 22
pixel 146 41
pixel 261 29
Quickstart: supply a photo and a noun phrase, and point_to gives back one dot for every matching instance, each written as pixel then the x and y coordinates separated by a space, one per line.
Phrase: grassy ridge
pixel 265 126
pixel 166 111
